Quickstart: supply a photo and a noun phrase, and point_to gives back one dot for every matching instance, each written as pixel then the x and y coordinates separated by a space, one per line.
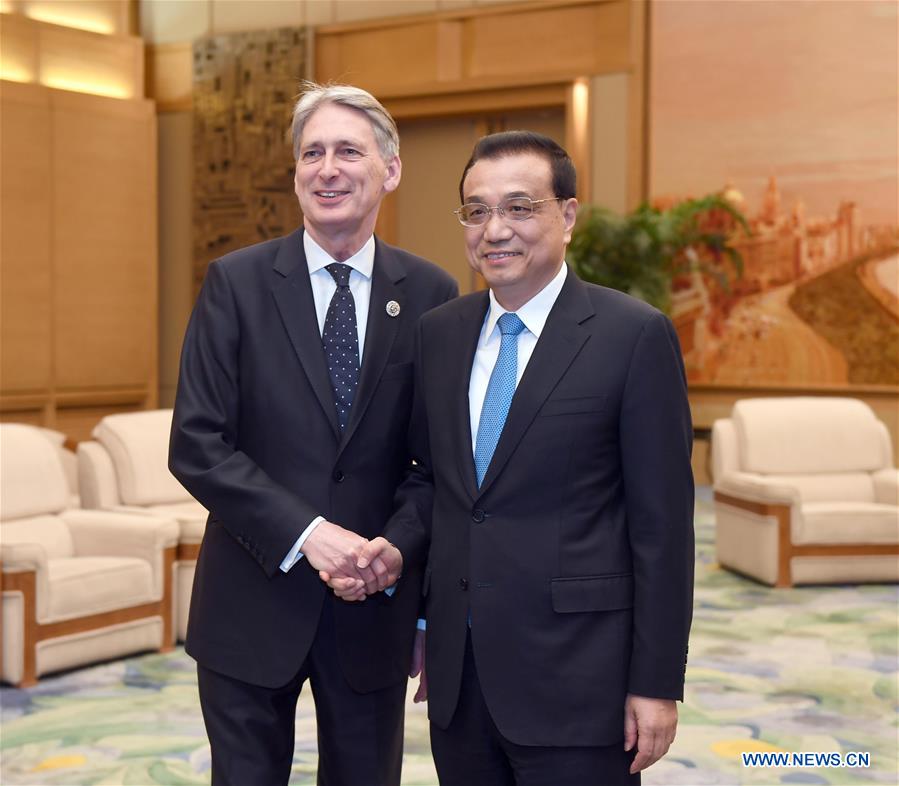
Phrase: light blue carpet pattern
pixel 809 669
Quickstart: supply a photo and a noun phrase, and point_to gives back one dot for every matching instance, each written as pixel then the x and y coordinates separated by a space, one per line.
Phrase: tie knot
pixel 510 324
pixel 340 273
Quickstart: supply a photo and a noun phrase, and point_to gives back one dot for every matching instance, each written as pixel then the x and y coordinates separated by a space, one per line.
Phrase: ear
pixel 569 217
pixel 394 173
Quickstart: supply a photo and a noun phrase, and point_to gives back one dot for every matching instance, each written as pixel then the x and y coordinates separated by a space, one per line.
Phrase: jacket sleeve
pixel 260 514
pixel 656 438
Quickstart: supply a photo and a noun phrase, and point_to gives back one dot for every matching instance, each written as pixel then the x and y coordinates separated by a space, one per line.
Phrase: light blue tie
pixel 500 390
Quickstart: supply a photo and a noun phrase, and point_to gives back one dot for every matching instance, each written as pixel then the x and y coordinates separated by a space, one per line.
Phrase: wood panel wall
pixel 78 289
pixel 475 61
pixel 65 58
pixel 480 49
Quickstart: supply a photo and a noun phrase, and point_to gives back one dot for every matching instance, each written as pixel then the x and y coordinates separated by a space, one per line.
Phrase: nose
pixel 328 169
pixel 496 228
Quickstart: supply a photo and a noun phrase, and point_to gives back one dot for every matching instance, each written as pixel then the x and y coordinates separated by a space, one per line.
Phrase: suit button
pixel 338 476
pixel 463 583
pixel 477 515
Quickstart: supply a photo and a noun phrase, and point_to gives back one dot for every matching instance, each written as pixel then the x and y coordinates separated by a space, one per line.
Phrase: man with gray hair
pixel 290 427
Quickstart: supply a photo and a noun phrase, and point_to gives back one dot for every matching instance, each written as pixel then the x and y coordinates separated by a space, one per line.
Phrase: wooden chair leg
pixel 784 546
pixel 168 567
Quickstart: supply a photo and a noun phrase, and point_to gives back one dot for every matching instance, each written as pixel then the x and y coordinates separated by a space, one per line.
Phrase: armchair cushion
pixel 111 534
pixel 808 435
pixel 826 522
pixel 69 462
pixel 90 585
pixel 97 482
pixel 138 443
pixel 33 481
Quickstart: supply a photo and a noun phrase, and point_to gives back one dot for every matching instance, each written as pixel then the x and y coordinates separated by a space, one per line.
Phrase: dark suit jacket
pixel 255 439
pixel 575 557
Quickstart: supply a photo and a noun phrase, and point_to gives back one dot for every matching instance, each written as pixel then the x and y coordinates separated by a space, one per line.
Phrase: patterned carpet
pixel 785 670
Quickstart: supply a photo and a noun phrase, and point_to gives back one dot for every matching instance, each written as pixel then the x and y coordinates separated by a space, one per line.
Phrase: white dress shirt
pixel 323 288
pixel 534 314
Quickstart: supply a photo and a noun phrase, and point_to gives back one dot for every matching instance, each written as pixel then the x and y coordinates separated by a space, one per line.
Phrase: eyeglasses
pixel 475 214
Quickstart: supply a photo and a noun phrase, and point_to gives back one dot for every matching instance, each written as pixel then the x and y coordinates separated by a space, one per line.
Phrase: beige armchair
pixel 77 585
pixel 125 468
pixel 806 492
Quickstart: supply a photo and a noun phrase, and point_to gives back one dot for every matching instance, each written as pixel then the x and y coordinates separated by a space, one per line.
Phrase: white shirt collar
pixel 362 261
pixel 535 312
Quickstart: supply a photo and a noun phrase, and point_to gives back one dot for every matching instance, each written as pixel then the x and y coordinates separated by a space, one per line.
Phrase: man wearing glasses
pixel 552 421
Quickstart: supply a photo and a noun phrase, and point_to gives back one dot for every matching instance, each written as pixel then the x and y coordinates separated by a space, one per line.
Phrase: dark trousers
pixel 473 752
pixel 251 728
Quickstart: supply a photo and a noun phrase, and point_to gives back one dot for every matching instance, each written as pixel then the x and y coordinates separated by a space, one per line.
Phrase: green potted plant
pixel 644 252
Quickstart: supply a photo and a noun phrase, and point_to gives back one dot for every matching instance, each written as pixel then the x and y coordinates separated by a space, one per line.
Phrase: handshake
pixel 351 565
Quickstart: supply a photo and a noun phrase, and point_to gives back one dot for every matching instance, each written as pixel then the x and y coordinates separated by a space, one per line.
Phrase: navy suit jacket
pixel 255 439
pixel 575 557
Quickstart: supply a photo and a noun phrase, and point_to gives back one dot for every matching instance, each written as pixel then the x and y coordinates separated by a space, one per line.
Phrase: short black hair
pixel 508 143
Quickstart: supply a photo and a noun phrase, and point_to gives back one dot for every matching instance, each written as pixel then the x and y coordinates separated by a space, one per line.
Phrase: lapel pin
pixel 393 308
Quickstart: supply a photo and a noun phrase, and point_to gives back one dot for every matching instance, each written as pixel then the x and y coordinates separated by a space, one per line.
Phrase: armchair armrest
pixel 757 488
pixel 19 559
pixel 886 486
pixel 98 533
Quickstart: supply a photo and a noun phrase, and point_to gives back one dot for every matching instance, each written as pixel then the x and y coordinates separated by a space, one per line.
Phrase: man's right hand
pixel 334 550
pixel 378 567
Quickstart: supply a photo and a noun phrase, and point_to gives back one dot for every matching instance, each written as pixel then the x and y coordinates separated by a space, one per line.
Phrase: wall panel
pixel 532 43
pixel 104 241
pixel 25 285
pixel 78 302
pixel 595 39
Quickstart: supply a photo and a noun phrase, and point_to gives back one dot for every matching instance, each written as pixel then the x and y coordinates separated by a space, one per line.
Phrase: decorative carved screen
pixel 245 85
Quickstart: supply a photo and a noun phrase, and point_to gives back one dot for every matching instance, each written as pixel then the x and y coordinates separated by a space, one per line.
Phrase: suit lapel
pixel 293 297
pixel 380 331
pixel 559 344
pixel 459 364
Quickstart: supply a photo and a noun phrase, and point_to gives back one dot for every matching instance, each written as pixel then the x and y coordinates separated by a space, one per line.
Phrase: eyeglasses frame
pixel 499 209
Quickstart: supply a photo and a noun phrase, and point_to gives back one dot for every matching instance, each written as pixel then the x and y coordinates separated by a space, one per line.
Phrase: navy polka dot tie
pixel 340 339
pixel 500 390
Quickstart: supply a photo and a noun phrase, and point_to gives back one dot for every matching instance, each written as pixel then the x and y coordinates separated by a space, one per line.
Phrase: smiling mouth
pixel 496 256
pixel 330 194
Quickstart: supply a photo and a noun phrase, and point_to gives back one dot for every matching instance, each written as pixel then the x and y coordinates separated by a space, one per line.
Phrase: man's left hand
pixel 650 724
pixel 418 667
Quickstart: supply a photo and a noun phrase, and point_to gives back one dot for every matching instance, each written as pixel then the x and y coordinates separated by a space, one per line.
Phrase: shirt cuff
pixel 295 555
pixel 422 624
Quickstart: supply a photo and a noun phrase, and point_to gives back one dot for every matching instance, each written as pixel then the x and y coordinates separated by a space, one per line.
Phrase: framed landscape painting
pixel 790 110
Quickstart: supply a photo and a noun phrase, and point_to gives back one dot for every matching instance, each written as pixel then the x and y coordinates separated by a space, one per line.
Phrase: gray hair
pixel 315 95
